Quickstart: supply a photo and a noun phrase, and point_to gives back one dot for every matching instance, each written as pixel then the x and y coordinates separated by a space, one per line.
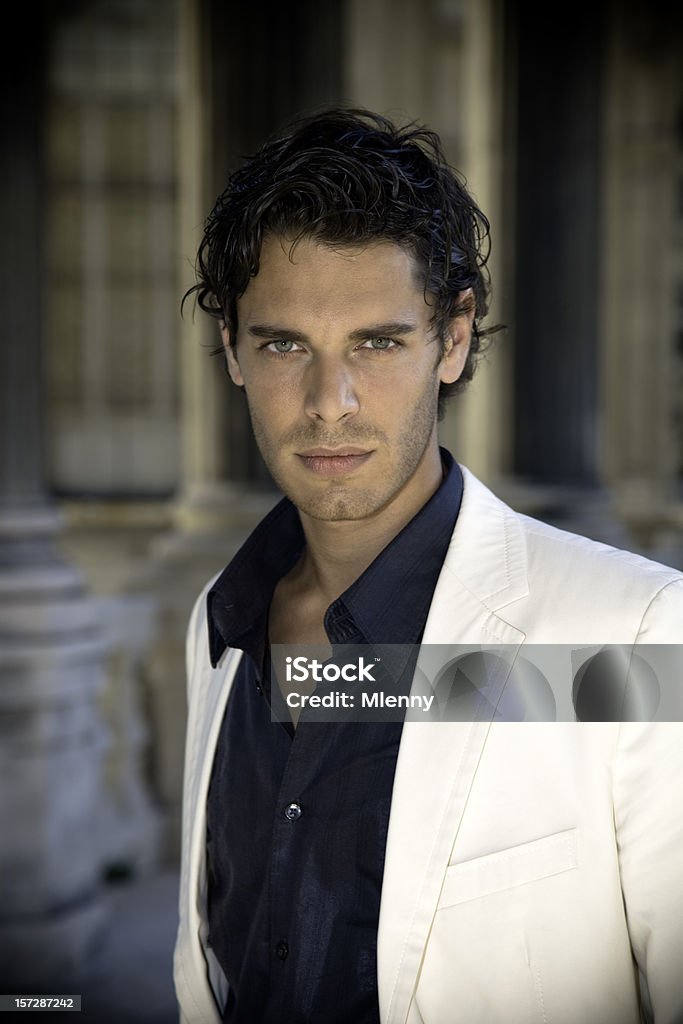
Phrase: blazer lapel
pixel 211 688
pixel 484 569
pixel 209 710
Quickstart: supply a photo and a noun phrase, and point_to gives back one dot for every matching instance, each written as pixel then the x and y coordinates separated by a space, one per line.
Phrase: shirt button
pixel 259 688
pixel 282 951
pixel 293 812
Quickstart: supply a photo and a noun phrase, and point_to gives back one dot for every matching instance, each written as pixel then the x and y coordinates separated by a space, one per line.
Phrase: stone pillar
pixel 130 826
pixel 479 421
pixel 557 127
pixel 642 274
pixel 439 64
pixel 216 508
pixel 204 493
pixel 214 423
pixel 51 656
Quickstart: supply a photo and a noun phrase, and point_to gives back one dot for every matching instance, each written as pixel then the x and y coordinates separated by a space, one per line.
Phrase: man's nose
pixel 330 391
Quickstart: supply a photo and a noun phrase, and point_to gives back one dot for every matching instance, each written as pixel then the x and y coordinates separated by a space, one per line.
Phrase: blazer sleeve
pixel 648 802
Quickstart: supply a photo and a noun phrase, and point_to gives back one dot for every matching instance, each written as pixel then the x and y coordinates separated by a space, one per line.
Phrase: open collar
pixel 387 604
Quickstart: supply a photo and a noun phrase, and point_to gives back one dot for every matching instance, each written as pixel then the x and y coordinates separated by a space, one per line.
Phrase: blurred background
pixel 128 473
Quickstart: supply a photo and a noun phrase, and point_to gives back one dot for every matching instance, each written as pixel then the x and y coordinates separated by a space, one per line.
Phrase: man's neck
pixel 337 553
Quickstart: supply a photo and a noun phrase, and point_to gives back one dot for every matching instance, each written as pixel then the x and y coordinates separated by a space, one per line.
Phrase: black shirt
pixel 297 820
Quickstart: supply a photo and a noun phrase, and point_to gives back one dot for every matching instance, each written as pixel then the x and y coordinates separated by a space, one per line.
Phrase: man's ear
pixel 458 338
pixel 230 356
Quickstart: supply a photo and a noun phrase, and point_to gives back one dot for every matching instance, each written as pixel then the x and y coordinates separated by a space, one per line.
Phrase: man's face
pixel 341 369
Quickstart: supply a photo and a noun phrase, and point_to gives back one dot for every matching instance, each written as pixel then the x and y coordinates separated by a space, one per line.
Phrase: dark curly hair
pixel 347 176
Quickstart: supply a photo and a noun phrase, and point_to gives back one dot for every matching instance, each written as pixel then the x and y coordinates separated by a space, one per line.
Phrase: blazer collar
pixel 485 565
pixel 484 570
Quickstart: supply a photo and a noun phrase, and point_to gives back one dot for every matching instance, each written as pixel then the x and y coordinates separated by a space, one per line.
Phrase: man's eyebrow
pixel 283 333
pixel 383 330
pixel 389 328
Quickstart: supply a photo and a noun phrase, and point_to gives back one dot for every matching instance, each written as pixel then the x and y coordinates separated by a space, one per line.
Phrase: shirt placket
pixel 290 822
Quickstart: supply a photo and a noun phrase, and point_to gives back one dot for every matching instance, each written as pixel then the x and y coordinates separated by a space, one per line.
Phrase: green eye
pixel 380 344
pixel 282 345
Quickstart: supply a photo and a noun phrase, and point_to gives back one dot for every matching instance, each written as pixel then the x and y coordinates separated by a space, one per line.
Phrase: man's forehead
pixel 312 276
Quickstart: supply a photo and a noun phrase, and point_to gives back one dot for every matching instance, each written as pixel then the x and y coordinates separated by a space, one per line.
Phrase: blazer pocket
pixel 506 869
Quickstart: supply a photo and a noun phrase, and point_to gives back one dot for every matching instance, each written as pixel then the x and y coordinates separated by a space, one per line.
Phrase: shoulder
pixel 547 546
pixel 564 576
pixel 607 581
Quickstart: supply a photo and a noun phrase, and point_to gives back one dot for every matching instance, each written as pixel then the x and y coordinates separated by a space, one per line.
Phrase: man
pixel 348 871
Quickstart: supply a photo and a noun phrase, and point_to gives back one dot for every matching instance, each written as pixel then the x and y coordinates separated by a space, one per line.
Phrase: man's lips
pixel 334 461
pixel 333 453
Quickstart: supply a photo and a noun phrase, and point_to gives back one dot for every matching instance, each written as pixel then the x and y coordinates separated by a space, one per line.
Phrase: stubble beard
pixel 337 500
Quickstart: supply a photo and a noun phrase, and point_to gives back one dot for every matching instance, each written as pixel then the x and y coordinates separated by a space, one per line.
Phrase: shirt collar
pixel 241 596
pixel 387 604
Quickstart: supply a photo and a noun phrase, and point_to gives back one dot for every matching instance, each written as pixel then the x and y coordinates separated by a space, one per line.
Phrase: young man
pixel 391 871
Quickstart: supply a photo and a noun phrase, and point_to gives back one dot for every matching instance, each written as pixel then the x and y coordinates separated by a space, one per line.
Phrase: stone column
pixel 214 426
pixel 479 421
pixel 439 64
pixel 215 508
pixel 642 274
pixel 557 127
pixel 50 657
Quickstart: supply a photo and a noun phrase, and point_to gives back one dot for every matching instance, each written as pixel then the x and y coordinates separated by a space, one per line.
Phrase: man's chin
pixel 337 507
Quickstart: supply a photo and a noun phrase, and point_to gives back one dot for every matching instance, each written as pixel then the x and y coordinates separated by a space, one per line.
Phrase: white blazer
pixel 534 871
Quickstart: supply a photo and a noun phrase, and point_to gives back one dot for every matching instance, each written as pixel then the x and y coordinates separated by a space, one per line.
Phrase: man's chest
pixel 297 839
